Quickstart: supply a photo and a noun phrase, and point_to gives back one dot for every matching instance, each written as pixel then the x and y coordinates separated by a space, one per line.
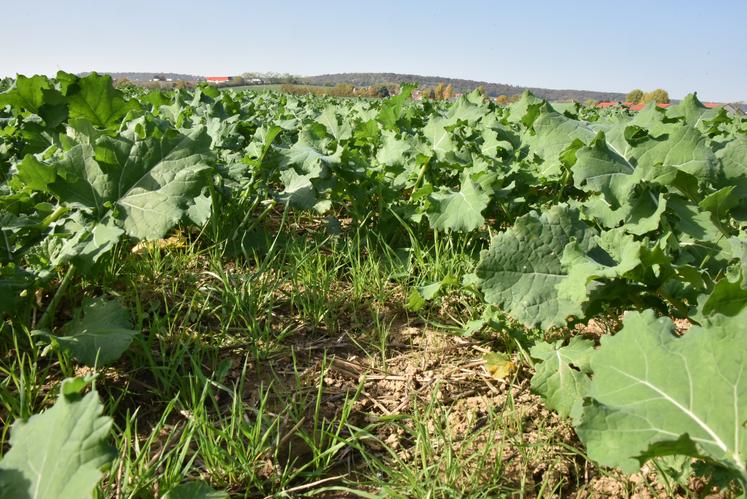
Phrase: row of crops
pixel 579 212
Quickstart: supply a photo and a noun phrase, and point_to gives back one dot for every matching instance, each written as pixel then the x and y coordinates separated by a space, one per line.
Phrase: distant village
pixel 440 92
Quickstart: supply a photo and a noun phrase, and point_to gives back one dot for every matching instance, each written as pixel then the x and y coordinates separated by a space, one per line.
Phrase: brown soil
pixel 534 445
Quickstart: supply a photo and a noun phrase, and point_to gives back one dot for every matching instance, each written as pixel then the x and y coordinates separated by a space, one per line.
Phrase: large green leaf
pixel 95 99
pixel 522 267
pixel 439 137
pixel 310 152
pixel 393 150
pixel 552 134
pixel 28 93
pixel 58 453
pixel 460 211
pixel 683 150
pixel 613 255
pixel 599 168
pixel 654 393
pixel 329 119
pixel 147 185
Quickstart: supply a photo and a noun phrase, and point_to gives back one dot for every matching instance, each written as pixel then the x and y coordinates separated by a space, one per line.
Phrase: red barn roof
pixel 637 107
pixel 218 78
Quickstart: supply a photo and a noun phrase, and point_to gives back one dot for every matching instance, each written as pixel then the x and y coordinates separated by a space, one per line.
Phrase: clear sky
pixel 679 45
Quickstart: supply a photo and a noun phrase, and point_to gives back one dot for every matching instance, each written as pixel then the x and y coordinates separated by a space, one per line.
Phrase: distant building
pixel 734 109
pixel 218 80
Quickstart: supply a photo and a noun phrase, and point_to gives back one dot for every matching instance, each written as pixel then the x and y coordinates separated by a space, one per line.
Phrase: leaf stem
pixel 46 318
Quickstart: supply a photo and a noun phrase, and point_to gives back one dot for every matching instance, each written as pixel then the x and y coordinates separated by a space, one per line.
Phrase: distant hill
pixel 132 76
pixel 492 89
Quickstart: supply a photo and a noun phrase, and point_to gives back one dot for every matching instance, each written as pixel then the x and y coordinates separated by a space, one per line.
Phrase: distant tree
pixel 118 83
pixel 589 102
pixel 428 93
pixel 383 92
pixel 660 96
pixel 481 90
pixel 439 91
pixel 502 99
pixel 515 98
pixel 635 96
pixel 448 92
pixel 343 90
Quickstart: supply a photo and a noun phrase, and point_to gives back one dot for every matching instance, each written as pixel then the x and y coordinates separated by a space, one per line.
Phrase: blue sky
pixel 680 45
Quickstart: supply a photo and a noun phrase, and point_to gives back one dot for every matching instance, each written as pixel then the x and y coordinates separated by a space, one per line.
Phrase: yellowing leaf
pixel 499 365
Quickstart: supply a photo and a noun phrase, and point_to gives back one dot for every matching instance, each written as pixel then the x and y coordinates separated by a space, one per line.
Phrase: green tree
pixel 660 96
pixel 635 96
pixel 502 100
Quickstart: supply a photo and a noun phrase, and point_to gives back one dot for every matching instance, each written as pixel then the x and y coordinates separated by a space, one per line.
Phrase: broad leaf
pixel 460 211
pixel 522 268
pixel 96 100
pixel 58 453
pixel 654 393
pixel 100 332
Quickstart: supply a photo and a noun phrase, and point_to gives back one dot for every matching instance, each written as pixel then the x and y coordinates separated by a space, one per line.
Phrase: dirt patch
pixel 471 413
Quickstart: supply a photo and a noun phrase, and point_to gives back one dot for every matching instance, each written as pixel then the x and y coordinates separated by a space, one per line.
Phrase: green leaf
pixel 310 153
pixel 599 168
pixel 522 267
pixel 654 393
pixel 13 282
pixel 423 294
pixel 100 332
pixel 459 211
pixel 562 376
pixel 151 182
pixel 553 133
pixel 60 452
pixel 328 118
pixel 88 242
pixel 728 297
pixel 393 150
pixel 439 137
pixel 28 93
pixel 392 109
pixel 194 490
pixel 35 174
pixel 95 99
pixel 616 254
pixel 691 110
pixel 683 150
pixel 526 109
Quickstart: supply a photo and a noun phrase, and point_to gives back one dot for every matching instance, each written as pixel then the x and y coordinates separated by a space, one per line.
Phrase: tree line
pixel 638 96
